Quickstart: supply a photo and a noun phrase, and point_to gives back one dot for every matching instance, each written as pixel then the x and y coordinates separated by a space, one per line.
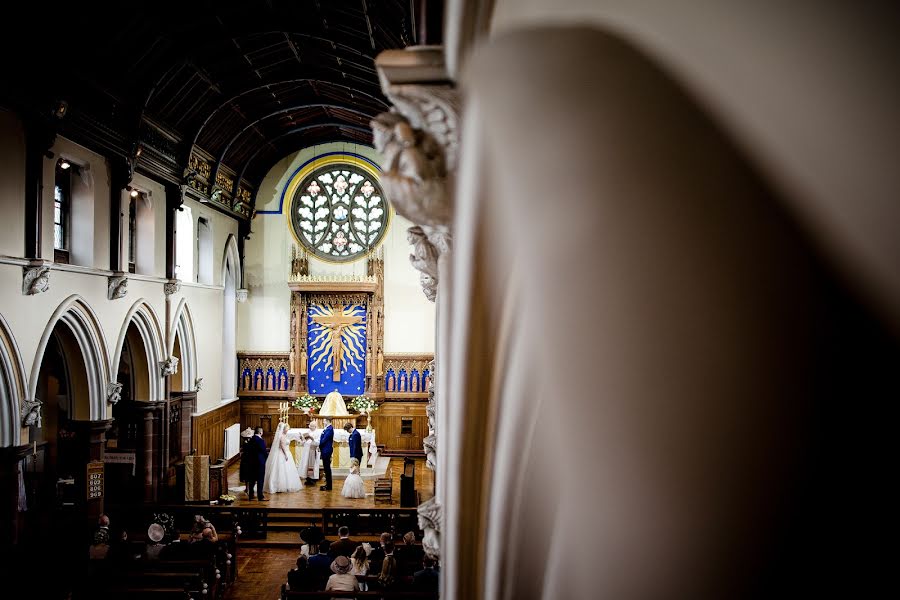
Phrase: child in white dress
pixel 353 485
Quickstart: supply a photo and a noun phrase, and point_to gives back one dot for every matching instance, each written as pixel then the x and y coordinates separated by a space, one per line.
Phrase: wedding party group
pixel 274 470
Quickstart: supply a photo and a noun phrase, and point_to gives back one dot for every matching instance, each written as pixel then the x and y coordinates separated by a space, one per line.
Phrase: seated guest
pixel 409 554
pixel 376 556
pixel 311 537
pixel 175 549
pixel 155 535
pixel 359 565
pixel 120 550
pixel 342 580
pixel 426 580
pixel 100 545
pixel 301 579
pixel 344 546
pixel 387 578
pixel 200 524
pixel 320 564
pixel 206 547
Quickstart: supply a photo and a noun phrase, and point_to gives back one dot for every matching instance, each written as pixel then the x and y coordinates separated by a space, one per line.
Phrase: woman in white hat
pixel 155 535
pixel 342 580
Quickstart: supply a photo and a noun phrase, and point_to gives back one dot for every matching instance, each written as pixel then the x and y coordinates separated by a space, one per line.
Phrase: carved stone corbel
pixel 198 384
pixel 113 392
pixel 241 294
pixel 173 286
pixel 430 517
pixel 117 286
pixel 31 412
pixel 169 366
pixel 35 278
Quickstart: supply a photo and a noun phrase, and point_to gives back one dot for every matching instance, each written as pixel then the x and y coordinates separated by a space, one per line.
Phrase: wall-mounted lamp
pixel 134 193
pixel 64 164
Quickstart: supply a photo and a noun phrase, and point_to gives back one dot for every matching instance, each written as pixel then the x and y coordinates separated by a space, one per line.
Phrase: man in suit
pixel 320 564
pixel 257 472
pixel 426 580
pixel 326 448
pixel 355 443
pixel 344 546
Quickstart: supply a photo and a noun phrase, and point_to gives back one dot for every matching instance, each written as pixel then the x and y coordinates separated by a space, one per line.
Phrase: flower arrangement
pixel 227 498
pixel 363 404
pixel 307 403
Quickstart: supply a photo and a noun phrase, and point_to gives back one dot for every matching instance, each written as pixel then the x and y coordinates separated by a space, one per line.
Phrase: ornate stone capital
pixel 113 392
pixel 117 286
pixel 169 366
pixel 198 384
pixel 241 294
pixel 173 286
pixel 430 518
pixel 430 445
pixel 424 259
pixel 31 412
pixel 35 278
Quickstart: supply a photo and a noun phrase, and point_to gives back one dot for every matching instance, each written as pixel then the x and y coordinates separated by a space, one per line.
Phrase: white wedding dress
pixel 281 470
pixel 353 485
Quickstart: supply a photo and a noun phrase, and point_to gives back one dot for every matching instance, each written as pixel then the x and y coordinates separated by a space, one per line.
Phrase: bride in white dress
pixel 281 471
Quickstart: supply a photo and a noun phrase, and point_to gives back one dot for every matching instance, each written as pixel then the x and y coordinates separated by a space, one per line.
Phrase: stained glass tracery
pixel 339 212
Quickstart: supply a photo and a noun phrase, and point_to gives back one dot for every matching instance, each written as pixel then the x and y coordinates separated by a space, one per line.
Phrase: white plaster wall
pixel 89 228
pixel 264 320
pixel 12 184
pixel 810 89
pixel 28 316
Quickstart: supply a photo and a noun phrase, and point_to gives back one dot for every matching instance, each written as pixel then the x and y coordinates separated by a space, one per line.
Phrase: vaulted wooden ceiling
pixel 243 83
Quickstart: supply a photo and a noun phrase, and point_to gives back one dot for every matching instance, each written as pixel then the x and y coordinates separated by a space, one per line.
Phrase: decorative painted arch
pixel 183 327
pixel 81 319
pixel 232 257
pixel 12 387
pixel 147 323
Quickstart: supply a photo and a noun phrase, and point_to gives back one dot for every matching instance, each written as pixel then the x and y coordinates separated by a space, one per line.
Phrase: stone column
pixel 419 141
pixel 149 456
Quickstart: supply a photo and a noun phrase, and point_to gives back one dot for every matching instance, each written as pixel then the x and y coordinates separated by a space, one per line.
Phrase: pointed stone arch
pixel 146 322
pixel 231 282
pixel 76 314
pixel 182 328
pixel 231 259
pixel 12 386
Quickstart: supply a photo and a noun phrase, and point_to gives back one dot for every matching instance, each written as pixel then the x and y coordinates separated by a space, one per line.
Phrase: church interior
pixel 499 299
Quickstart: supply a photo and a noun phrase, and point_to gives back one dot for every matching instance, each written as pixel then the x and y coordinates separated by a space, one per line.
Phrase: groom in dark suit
pixel 326 448
pixel 355 442
pixel 256 472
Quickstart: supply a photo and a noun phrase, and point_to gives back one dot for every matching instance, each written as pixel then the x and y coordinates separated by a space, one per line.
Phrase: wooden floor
pixel 313 497
pixel 261 571
pixel 262 565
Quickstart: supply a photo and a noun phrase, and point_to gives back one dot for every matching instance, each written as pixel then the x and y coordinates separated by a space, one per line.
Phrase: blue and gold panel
pixel 336 342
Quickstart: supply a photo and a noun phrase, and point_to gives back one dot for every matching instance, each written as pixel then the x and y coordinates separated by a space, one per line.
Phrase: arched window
pixel 184 244
pixel 339 213
pixel 62 205
pixel 204 251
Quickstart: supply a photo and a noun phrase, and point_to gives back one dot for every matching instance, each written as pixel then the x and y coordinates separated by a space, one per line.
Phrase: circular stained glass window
pixel 339 213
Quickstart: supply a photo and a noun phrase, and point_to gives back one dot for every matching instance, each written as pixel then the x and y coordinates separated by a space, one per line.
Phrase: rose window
pixel 339 213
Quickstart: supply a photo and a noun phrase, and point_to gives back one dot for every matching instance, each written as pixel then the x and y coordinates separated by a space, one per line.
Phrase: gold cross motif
pixel 336 323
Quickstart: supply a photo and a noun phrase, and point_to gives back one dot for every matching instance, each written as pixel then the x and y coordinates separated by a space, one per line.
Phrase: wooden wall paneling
pixel 388 421
pixel 208 430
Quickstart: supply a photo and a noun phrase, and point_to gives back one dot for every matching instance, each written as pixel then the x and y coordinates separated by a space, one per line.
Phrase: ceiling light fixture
pixel 64 164
pixel 134 193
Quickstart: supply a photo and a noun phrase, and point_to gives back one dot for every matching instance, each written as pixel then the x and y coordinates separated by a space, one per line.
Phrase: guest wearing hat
pixel 311 538
pixel 155 535
pixel 342 580
pixel 246 470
